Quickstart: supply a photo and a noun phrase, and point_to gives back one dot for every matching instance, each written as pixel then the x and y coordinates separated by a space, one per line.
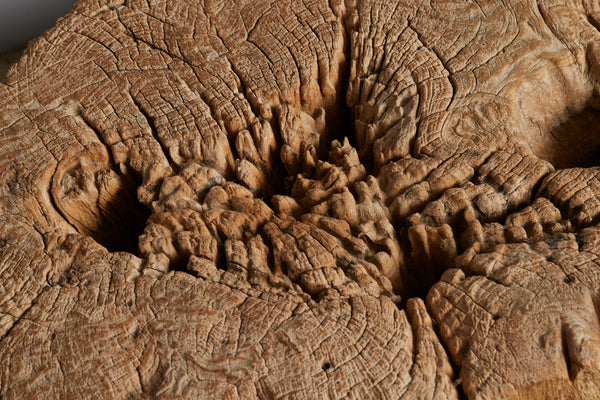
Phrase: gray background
pixel 23 20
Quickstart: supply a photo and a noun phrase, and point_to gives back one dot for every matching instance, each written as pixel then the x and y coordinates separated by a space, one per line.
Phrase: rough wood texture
pixel 303 199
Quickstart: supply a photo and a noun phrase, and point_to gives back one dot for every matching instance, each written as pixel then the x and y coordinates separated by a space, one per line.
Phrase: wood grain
pixel 303 199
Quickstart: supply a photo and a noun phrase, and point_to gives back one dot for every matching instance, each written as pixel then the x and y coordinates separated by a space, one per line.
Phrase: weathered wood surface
pixel 303 199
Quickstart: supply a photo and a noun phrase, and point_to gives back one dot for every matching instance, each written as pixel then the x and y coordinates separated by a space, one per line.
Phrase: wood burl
pixel 303 199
